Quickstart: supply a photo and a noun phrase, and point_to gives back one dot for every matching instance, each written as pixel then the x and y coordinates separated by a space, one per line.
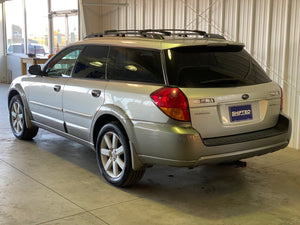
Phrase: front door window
pixel 62 65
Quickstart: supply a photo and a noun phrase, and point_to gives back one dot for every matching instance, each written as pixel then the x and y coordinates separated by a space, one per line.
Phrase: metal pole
pixel 144 13
pixel 253 20
pixel 50 25
pixel 209 17
pixel 153 15
pixel 287 32
pixel 223 17
pixel 238 19
pixel 174 15
pixel 66 29
pixel 185 15
pixel 197 13
pixel 163 15
pixel 4 35
pixel 25 29
pixel 269 37
pixel 80 14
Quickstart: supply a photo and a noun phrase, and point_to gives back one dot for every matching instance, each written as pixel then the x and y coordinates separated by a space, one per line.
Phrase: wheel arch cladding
pixel 124 122
pixel 19 91
pixel 11 94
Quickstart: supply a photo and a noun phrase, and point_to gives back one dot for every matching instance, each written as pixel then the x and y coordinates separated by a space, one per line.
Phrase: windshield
pixel 212 66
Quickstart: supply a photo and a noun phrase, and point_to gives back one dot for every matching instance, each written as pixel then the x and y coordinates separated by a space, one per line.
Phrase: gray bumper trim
pixel 219 158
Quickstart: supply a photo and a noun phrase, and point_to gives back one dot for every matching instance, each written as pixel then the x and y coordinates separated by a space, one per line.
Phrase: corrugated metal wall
pixel 270 30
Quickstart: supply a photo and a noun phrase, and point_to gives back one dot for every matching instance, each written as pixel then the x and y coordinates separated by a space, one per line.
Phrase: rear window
pixel 204 66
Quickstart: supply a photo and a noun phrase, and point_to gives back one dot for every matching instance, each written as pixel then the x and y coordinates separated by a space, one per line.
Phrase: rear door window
pixel 91 63
pixel 212 67
pixel 138 65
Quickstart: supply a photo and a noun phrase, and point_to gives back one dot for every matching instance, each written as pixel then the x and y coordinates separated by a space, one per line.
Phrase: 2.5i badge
pixel 240 113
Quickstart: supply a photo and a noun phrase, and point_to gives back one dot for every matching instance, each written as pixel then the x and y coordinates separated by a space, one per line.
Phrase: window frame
pixel 161 63
pixel 218 49
pixel 107 56
pixel 59 55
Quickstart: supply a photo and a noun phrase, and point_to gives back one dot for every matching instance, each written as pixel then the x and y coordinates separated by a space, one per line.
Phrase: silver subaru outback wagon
pixel 148 97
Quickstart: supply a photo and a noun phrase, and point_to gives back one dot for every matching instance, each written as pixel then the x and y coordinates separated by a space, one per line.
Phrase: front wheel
pixel 17 120
pixel 114 158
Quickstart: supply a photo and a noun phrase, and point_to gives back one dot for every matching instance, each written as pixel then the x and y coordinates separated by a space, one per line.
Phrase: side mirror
pixel 35 70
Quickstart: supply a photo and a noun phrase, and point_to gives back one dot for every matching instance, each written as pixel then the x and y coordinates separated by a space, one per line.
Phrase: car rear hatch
pixel 219 112
pixel 227 91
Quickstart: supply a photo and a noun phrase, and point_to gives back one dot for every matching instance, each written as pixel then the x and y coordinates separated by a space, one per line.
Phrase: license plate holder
pixel 240 113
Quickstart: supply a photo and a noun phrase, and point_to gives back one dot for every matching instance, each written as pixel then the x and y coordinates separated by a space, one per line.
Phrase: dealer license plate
pixel 240 113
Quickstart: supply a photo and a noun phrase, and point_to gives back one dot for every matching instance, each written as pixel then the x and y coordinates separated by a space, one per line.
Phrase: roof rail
pixel 122 32
pixel 94 35
pixel 217 36
pixel 156 33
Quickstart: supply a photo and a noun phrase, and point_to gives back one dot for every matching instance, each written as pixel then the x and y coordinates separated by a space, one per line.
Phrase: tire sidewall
pixel 12 101
pixel 115 128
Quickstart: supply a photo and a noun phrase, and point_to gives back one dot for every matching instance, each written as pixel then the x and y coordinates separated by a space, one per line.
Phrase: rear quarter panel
pixel 135 100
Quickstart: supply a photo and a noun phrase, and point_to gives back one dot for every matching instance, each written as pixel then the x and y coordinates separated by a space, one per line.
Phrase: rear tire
pixel 17 120
pixel 114 158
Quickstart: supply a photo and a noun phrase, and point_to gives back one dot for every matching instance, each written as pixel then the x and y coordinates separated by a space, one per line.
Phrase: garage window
pixel 15 26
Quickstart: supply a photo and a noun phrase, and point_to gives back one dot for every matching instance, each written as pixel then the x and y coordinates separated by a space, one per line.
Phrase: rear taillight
pixel 172 102
pixel 281 103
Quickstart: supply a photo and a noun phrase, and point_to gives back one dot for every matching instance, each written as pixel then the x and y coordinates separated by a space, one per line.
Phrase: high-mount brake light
pixel 172 102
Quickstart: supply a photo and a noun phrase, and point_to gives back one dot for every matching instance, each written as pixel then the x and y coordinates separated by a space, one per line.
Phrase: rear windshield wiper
pixel 221 81
pixel 226 82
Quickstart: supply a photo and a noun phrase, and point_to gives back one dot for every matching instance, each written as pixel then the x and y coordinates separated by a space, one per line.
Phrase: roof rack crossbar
pixel 169 32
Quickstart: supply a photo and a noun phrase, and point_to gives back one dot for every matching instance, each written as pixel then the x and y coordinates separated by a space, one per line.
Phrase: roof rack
pixel 93 35
pixel 143 33
pixel 176 32
pixel 156 33
pixel 118 32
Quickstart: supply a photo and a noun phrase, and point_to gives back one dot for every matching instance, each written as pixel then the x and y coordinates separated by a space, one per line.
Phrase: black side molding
pixel 282 127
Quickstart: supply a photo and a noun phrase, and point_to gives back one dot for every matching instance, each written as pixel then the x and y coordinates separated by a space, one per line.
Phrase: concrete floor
pixel 52 180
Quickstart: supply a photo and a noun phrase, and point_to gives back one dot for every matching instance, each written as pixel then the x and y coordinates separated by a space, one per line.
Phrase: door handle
pixel 96 93
pixel 57 88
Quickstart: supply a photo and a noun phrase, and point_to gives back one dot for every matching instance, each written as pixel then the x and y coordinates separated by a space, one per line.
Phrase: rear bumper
pixel 281 128
pixel 183 146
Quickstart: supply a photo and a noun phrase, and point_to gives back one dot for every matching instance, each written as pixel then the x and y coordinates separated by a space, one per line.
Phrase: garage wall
pixel 269 28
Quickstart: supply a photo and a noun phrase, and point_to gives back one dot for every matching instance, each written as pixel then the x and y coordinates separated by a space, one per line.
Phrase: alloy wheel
pixel 112 155
pixel 17 117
